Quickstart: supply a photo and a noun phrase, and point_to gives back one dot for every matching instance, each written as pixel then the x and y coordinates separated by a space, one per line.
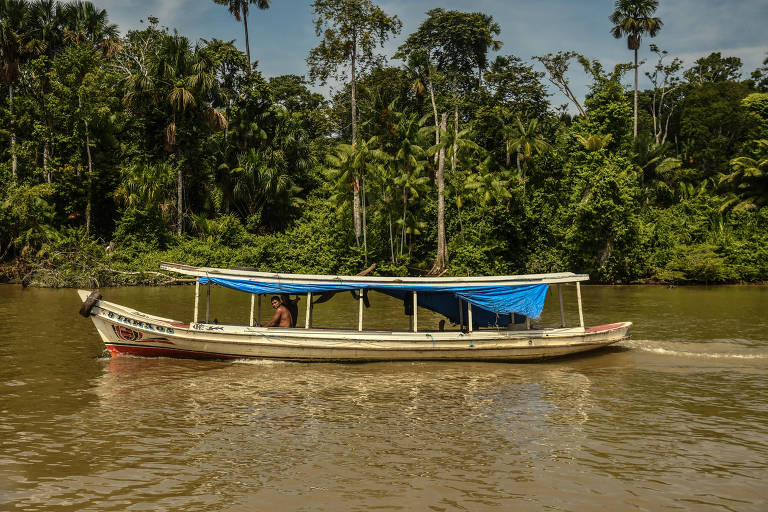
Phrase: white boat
pixel 491 316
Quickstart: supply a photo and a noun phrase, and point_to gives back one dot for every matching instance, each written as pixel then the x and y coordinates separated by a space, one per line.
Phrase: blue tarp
pixel 491 305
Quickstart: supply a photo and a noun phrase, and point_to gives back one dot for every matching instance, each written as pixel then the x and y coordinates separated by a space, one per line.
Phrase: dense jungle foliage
pixel 118 152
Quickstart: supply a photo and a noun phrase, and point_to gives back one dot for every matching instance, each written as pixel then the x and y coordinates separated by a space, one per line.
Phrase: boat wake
pixel 706 350
pixel 259 362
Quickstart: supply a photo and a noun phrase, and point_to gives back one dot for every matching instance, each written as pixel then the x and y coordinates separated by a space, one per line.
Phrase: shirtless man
pixel 282 316
pixel 292 306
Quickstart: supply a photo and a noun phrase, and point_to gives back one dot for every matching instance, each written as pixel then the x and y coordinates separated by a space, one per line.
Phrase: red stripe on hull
pixel 133 350
pixel 606 327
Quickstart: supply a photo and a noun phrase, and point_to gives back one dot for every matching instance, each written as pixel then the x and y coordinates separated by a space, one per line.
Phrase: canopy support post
pixel 308 321
pixel 253 299
pixel 259 318
pixel 562 311
pixel 197 300
pixel 461 314
pixel 207 302
pixel 469 317
pixel 360 311
pixel 415 307
pixel 578 297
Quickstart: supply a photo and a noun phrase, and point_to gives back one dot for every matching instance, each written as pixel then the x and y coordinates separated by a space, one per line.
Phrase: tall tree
pixel 172 81
pixel 448 140
pixel 458 43
pixel 14 44
pixel 239 9
pixel 48 27
pixel 633 18
pixel 350 30
pixel 88 28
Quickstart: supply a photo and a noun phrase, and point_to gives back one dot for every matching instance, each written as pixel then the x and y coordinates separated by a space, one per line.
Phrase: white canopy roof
pixel 310 279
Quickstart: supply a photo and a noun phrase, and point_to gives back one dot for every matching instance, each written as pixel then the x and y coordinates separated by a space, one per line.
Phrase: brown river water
pixel 674 419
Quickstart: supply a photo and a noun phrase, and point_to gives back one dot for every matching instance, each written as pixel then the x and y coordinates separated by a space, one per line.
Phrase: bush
pixel 142 229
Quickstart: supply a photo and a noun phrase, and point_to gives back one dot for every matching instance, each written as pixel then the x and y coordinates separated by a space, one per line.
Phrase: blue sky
pixel 282 36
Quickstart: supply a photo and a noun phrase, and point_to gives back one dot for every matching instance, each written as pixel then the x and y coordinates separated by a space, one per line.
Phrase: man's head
pixel 275 300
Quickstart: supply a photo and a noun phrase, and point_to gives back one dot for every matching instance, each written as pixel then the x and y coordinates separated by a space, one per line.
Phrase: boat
pixel 490 320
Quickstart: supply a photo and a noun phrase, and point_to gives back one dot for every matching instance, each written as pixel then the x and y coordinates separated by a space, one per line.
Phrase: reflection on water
pixel 674 419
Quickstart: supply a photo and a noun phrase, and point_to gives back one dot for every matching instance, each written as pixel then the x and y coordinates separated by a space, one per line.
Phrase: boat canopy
pixel 493 299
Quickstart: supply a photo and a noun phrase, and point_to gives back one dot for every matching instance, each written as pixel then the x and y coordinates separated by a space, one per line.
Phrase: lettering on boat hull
pixel 137 323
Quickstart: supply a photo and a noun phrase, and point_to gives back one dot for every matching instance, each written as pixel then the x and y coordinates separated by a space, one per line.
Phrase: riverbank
pixel 85 270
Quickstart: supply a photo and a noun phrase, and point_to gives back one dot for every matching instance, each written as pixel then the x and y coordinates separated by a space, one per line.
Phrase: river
pixel 674 419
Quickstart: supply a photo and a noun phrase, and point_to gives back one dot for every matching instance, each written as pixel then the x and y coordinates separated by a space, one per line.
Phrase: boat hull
pixel 125 331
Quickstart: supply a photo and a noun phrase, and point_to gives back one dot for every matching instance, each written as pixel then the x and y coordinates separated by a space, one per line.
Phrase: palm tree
pixel 367 156
pixel 527 141
pixel 342 176
pixel 749 179
pixel 411 225
pixel 594 142
pixel 490 187
pixel 176 78
pixel 239 9
pixel 47 23
pixel 147 186
pixel 228 63
pixel 263 191
pixel 14 44
pixel 633 18
pixel 408 161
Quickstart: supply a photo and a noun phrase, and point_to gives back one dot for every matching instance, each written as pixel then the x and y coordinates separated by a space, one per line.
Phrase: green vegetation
pixel 117 153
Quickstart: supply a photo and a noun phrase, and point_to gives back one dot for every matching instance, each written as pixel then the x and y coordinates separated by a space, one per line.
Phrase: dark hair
pixel 275 297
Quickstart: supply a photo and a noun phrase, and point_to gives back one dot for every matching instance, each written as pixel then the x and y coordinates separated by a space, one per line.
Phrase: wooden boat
pixel 491 317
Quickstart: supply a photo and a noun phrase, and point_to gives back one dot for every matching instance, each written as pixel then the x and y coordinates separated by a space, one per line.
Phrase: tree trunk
pixel 666 126
pixel 441 259
pixel 402 231
pixel 434 111
pixel 179 204
pixel 14 161
pixel 89 203
pixel 356 185
pixel 45 163
pixel 509 160
pixel 247 46
pixel 365 226
pixel 391 240
pixel 634 131
pixel 455 125
pixel 575 101
pixel 656 132
pixel 89 179
pixel 226 114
